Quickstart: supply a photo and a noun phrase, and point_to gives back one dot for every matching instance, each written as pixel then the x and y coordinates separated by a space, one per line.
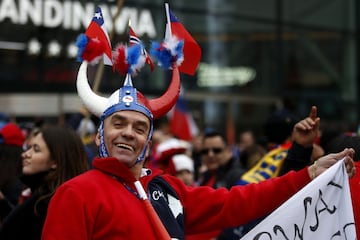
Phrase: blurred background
pixel 257 56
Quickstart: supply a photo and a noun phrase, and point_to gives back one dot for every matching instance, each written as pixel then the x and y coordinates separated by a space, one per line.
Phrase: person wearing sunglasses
pixel 223 168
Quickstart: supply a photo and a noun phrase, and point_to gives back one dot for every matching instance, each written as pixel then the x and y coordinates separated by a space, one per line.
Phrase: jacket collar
pixel 114 167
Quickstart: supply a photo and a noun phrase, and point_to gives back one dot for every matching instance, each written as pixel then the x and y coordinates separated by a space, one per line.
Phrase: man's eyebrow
pixel 117 117
pixel 142 123
pixel 138 122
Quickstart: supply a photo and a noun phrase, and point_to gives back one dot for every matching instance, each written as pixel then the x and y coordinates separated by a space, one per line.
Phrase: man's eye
pixel 118 124
pixel 140 130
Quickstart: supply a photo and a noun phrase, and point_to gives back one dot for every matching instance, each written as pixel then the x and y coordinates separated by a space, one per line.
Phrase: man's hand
pixel 325 162
pixel 305 131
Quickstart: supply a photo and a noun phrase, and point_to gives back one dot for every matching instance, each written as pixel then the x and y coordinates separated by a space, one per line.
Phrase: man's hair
pixel 279 125
pixel 210 132
pixel 341 142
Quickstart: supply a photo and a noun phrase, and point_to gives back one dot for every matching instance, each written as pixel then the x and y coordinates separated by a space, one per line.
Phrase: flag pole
pixel 129 31
pixel 168 20
pixel 158 226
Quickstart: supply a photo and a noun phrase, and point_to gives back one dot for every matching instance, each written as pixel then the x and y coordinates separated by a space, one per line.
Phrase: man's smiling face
pixel 125 135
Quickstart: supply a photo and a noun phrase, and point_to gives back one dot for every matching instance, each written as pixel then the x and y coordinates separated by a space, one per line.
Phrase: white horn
pixel 93 102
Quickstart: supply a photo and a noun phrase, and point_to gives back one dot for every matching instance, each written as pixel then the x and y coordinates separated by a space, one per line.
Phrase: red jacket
pixel 95 205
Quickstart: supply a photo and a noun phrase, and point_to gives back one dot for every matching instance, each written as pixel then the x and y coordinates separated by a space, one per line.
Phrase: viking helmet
pixel 127 98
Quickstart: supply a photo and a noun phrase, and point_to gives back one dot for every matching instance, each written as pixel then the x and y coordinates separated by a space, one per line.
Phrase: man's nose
pixel 128 130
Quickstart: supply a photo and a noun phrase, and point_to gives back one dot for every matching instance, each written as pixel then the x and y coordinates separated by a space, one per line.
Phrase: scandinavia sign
pixel 73 15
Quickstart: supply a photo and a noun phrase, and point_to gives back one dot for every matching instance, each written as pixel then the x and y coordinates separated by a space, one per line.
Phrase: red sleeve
pixel 67 219
pixel 207 208
pixel 355 197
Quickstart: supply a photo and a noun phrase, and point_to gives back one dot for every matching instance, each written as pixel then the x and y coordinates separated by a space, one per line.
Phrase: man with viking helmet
pixel 119 199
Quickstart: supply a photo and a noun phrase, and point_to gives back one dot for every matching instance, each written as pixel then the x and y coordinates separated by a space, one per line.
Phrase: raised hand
pixel 305 131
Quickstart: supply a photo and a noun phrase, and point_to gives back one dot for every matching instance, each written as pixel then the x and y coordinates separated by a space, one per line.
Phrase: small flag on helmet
pixel 191 50
pixel 134 40
pixel 178 47
pixel 95 43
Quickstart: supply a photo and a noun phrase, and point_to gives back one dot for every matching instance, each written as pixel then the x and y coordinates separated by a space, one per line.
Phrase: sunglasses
pixel 206 151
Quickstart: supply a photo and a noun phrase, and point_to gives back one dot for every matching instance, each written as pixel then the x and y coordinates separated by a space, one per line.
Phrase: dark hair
pixel 251 155
pixel 10 162
pixel 68 152
pixel 341 142
pixel 279 125
pixel 210 133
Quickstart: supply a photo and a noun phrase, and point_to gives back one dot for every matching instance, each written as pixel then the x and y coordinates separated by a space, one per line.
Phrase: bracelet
pixel 313 175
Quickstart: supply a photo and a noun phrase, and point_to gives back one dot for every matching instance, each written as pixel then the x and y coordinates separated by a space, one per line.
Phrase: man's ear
pixel 97 139
pixel 229 150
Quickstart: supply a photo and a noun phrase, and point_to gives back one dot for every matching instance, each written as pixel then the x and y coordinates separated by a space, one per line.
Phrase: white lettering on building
pixel 8 10
pixel 74 15
pixel 32 11
pixel 53 14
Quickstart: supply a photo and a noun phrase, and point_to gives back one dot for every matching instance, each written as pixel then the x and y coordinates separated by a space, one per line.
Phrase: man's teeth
pixel 125 146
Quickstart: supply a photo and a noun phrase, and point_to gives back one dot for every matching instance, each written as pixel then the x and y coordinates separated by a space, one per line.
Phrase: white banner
pixel 322 210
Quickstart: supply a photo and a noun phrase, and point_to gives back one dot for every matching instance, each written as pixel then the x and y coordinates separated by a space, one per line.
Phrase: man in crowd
pixel 109 201
pixel 223 168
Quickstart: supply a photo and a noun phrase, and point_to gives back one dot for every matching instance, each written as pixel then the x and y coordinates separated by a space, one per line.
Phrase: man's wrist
pixel 312 171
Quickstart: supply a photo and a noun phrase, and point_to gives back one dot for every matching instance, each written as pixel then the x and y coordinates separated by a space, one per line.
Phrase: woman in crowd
pixel 52 156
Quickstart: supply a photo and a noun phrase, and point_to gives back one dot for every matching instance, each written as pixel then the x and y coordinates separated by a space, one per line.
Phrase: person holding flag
pixel 111 201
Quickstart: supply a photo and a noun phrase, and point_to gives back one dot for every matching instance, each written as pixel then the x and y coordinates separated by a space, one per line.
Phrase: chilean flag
pixel 191 50
pixel 96 29
pixel 134 39
pixel 182 124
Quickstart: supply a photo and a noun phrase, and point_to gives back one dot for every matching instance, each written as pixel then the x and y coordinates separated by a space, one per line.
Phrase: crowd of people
pixel 37 164
pixel 127 177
